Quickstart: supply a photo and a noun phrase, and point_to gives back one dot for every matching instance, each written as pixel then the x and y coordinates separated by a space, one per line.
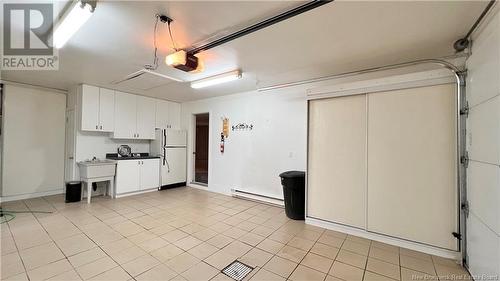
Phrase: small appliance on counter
pixel 170 145
pixel 124 150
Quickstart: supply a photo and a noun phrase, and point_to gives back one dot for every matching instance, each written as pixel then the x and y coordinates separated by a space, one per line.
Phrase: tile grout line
pixel 17 247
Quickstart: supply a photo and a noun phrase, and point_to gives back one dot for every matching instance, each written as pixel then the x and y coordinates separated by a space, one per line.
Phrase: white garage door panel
pixel 483 67
pixel 483 248
pixel 412 188
pixel 337 160
pixel 483 193
pixel 483 132
pixel 33 141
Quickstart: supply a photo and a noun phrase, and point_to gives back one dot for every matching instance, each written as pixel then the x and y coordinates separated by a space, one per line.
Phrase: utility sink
pixel 97 168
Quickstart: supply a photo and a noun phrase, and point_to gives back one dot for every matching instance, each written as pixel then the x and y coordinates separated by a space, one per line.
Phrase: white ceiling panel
pixel 337 37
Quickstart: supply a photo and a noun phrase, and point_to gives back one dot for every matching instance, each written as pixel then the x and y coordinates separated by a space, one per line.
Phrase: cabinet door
pixel 336 189
pixel 125 116
pixel 127 176
pixel 106 110
pixel 150 173
pixel 145 117
pixel 174 115
pixel 89 108
pixel 162 114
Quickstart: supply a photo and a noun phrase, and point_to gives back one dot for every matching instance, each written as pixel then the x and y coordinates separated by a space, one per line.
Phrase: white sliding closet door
pixel 337 160
pixel 412 179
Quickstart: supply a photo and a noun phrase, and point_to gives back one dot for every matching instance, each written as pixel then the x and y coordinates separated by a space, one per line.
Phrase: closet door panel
pixel 337 160
pixel 412 180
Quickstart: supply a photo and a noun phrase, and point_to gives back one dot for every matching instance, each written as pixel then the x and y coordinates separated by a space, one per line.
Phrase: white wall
pixel 252 159
pixel 33 142
pixel 483 145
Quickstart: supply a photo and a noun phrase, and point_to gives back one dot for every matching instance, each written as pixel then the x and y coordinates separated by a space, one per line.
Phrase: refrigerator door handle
pixel 164 143
pixel 164 156
pixel 168 166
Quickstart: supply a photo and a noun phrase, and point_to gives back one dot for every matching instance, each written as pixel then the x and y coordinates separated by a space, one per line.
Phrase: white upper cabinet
pixel 125 116
pixel 174 115
pixel 106 110
pixel 134 117
pixel 97 108
pixel 168 115
pixel 89 100
pixel 145 117
pixel 162 120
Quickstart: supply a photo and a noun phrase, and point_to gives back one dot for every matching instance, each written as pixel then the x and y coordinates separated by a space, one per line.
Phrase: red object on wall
pixel 221 142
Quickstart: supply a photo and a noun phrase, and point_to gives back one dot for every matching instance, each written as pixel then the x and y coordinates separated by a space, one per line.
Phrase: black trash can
pixel 73 191
pixel 294 186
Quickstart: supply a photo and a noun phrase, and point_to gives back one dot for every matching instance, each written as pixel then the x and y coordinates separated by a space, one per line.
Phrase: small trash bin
pixel 294 185
pixel 73 191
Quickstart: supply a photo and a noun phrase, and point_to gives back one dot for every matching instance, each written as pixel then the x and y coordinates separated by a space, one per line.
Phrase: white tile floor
pixel 189 234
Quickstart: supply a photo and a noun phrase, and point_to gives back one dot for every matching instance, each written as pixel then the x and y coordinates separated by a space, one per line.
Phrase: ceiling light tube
pixel 71 21
pixel 217 79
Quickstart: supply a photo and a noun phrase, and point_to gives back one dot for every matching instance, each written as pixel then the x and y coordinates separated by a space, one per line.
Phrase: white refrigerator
pixel 170 145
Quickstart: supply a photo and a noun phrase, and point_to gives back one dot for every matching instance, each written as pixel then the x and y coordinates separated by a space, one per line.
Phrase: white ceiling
pixel 337 37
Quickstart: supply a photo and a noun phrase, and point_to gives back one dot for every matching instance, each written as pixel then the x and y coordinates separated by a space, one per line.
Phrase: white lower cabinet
pixel 149 173
pixel 137 175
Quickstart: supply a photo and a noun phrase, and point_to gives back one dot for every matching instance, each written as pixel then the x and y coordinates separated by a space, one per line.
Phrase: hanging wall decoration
pixel 242 127
pixel 225 127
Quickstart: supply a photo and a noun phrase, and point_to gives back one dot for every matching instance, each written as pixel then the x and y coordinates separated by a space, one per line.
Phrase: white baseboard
pixel 31 195
pixel 135 193
pixel 257 198
pixel 198 186
pixel 386 239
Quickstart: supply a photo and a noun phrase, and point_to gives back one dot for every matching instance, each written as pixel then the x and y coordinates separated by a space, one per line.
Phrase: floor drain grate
pixel 237 270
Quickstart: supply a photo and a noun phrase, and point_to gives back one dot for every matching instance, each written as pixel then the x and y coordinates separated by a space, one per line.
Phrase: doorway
pixel 202 130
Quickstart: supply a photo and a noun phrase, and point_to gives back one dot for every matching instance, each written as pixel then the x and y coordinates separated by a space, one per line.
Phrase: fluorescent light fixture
pixel 72 20
pixel 217 79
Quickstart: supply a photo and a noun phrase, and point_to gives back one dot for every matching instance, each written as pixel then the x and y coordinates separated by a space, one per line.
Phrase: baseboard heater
pixel 257 197
pixel 174 185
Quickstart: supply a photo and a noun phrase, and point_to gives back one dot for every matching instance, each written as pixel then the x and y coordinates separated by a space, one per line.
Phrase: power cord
pixel 6 216
pixel 154 65
pixel 166 20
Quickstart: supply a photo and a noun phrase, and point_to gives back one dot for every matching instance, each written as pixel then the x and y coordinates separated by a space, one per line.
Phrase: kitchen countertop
pixel 115 156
